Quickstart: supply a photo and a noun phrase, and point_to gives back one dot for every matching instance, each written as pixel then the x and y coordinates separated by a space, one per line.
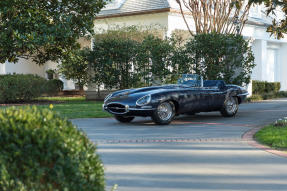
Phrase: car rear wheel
pixel 124 119
pixel 164 113
pixel 230 107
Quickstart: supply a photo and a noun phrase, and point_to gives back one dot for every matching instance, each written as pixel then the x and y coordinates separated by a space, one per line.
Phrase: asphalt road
pixel 204 152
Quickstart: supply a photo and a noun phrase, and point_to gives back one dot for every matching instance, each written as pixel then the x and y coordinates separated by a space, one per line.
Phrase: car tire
pixel 230 107
pixel 124 119
pixel 164 113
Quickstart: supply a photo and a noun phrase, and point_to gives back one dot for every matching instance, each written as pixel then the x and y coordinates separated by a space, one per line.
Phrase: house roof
pixel 135 6
pixel 132 7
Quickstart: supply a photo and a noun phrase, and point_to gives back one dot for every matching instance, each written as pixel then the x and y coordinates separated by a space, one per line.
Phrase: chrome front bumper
pixel 127 110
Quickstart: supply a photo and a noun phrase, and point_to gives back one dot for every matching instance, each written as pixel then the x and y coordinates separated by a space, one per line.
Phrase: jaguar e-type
pixel 191 95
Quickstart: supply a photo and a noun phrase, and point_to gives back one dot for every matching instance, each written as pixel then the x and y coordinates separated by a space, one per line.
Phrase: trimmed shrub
pixel 225 57
pixel 281 94
pixel 277 86
pixel 132 58
pixel 75 66
pixel 20 87
pixel 112 60
pixel 52 87
pixel 255 97
pixel 266 96
pixel 263 87
pixel 258 87
pixel 154 59
pixel 42 152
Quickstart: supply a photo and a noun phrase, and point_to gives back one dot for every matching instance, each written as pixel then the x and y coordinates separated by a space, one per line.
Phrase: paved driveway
pixel 201 152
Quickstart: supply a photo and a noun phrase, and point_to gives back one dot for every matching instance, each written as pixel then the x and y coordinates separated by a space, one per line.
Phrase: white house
pixel 270 53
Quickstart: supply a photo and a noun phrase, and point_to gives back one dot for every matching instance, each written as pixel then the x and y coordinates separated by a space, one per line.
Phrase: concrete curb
pixel 249 138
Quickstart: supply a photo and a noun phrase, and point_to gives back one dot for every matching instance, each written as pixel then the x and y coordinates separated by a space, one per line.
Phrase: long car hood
pixel 136 93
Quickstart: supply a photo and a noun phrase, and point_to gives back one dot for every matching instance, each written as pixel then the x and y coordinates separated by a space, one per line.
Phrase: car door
pixel 190 100
pixel 205 98
pixel 216 98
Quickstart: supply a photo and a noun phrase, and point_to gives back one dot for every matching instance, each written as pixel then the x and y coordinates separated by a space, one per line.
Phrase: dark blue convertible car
pixel 191 95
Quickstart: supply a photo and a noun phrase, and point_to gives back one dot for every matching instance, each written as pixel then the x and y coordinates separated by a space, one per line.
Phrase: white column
pixel 260 52
pixel 2 68
pixel 282 66
pixel 264 59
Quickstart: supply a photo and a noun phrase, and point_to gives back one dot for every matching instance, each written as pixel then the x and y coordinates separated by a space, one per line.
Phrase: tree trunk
pixel 219 16
pixel 81 87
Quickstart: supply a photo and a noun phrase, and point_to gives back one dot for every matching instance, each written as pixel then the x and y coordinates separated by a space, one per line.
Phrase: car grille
pixel 117 108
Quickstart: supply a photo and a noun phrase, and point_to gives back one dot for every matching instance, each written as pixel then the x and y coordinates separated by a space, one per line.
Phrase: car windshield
pixel 192 80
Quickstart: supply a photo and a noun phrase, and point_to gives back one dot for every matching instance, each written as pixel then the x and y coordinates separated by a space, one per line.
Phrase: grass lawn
pixel 74 107
pixel 275 137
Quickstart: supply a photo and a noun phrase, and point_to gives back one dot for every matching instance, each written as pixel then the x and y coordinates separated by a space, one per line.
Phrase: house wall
pixel 137 20
pixel 176 22
pixel 29 67
pixel 270 55
pixel 24 66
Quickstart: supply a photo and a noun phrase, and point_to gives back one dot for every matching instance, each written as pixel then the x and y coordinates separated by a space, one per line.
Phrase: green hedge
pixel 225 57
pixel 20 87
pixel 26 87
pixel 263 87
pixel 42 152
pixel 53 87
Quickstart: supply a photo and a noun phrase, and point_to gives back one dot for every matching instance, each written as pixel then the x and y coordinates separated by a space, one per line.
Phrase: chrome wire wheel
pixel 165 111
pixel 231 105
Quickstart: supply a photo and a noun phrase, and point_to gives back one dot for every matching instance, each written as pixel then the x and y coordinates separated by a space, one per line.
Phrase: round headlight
pixel 144 100
pixel 108 97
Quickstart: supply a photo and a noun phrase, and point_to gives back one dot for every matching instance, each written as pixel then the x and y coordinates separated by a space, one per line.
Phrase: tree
pixel 112 59
pixel 230 58
pixel 279 26
pixel 43 29
pixel 75 66
pixel 121 56
pixel 219 16
pixel 154 59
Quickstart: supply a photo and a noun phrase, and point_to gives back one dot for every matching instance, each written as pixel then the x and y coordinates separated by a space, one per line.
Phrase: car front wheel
pixel 230 107
pixel 164 113
pixel 124 119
